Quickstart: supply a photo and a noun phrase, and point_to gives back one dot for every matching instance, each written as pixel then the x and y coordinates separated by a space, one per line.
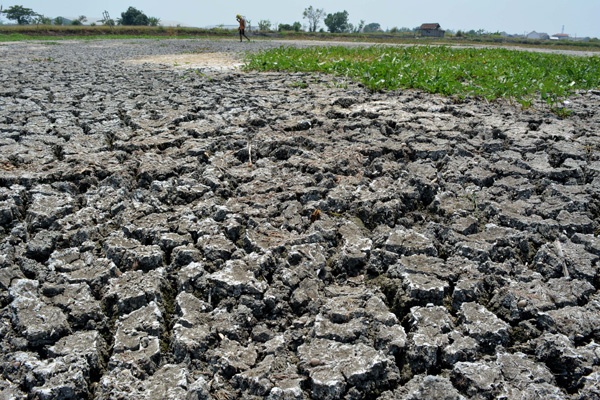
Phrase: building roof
pixel 537 34
pixel 430 26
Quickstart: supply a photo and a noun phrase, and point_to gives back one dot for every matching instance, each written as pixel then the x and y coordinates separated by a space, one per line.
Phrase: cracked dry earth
pixel 173 228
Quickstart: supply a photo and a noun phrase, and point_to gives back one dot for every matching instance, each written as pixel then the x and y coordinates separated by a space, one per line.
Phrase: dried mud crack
pixel 172 227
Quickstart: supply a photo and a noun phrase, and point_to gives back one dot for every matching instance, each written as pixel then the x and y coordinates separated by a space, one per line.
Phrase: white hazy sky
pixel 579 17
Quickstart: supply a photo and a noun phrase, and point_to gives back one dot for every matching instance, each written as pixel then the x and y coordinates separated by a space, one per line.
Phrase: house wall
pixel 432 33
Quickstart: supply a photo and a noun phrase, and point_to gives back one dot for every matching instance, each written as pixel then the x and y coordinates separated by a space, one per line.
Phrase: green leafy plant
pixel 489 74
pixel 299 84
pixel 562 112
pixel 47 59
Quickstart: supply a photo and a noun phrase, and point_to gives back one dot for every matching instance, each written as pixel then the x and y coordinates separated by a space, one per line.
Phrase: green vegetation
pixel 135 17
pixel 20 14
pixel 10 33
pixel 338 22
pixel 432 65
pixel 313 15
pixel 264 25
pixel 490 73
pixel 296 27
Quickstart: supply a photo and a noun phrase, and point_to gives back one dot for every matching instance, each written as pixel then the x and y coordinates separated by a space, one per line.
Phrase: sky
pixel 580 18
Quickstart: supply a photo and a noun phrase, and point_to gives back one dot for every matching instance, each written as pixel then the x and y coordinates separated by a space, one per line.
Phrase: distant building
pixel 560 36
pixel 538 35
pixel 431 30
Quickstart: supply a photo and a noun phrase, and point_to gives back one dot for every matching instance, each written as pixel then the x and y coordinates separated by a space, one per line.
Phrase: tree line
pixel 337 22
pixel 26 16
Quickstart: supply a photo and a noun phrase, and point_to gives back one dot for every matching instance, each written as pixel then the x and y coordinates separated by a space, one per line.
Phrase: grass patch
pixel 299 84
pixel 489 73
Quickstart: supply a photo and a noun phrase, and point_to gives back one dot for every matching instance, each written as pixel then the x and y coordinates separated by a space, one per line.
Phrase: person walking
pixel 242 27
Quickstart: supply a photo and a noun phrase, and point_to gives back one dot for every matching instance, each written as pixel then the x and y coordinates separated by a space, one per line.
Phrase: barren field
pixel 174 228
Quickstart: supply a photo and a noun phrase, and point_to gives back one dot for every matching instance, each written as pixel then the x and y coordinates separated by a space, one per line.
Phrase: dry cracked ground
pixel 173 228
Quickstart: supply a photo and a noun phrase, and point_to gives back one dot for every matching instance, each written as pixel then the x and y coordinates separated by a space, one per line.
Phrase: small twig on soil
pixel 559 249
pixel 249 154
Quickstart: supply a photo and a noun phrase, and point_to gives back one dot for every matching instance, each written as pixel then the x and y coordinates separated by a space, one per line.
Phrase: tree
pixel 337 22
pixel 314 16
pixel 43 20
pixel 360 27
pixel 79 21
pixel 153 21
pixel 59 21
pixel 372 27
pixel 133 16
pixel 107 20
pixel 23 16
pixel 264 25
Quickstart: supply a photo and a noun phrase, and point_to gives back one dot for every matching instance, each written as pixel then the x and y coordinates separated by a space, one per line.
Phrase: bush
pixel 287 27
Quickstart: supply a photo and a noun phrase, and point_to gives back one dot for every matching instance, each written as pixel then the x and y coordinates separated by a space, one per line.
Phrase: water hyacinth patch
pixel 488 73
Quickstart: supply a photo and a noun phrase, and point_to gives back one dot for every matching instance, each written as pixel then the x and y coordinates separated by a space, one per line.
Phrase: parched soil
pixel 172 227
pixel 214 61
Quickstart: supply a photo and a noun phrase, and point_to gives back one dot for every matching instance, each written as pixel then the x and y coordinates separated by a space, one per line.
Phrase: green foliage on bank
pixel 53 32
